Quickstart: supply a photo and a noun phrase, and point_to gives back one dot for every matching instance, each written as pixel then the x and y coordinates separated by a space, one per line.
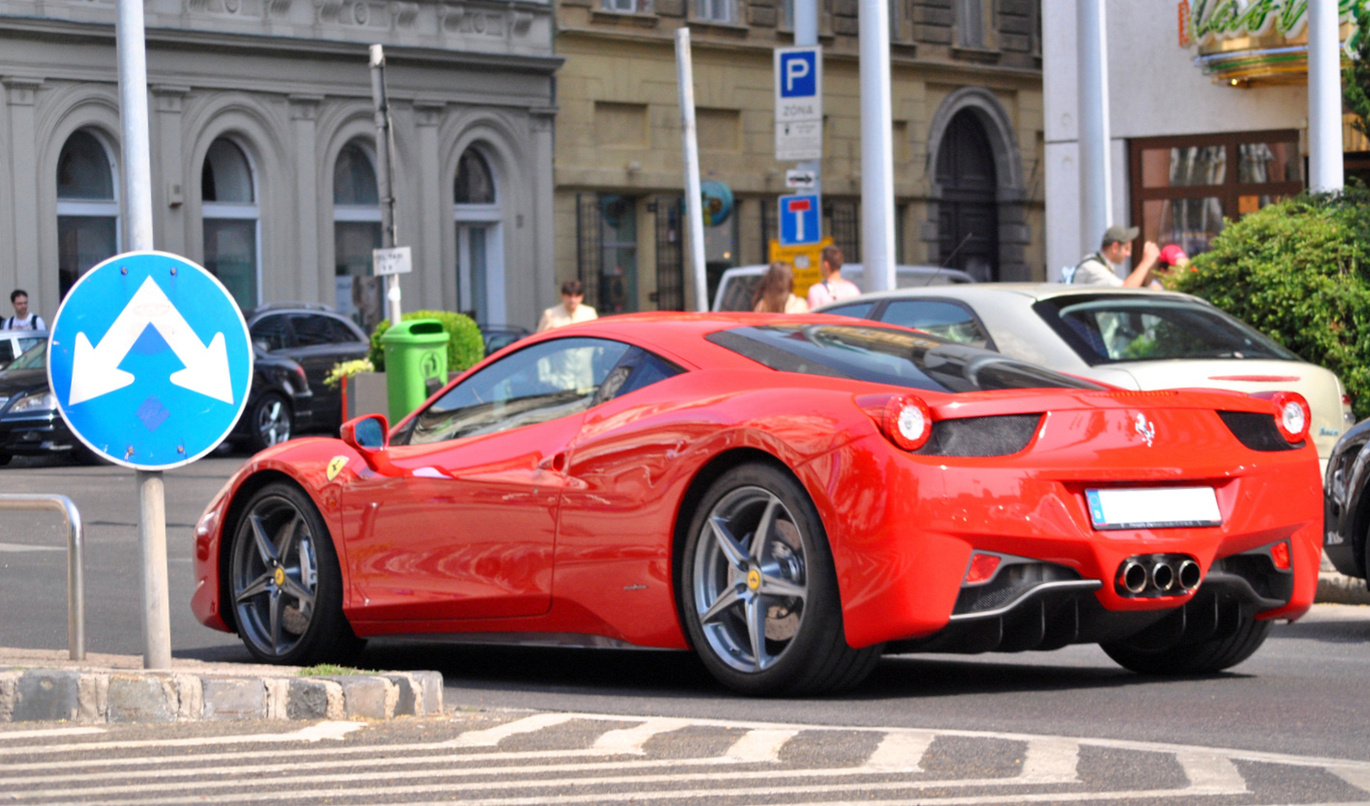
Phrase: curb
pixel 116 695
pixel 1335 588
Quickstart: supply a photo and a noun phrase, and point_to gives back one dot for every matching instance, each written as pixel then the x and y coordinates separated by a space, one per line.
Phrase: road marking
pixel 1211 772
pixel 313 733
pixel 19 548
pixel 632 740
pixel 493 736
pixel 758 746
pixel 1051 760
pixel 901 752
pixel 46 734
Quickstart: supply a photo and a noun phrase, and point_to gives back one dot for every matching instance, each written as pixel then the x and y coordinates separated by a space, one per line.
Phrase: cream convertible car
pixel 1134 338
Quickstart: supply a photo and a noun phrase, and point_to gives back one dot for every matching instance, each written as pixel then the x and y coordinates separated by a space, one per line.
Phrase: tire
pixel 5 458
pixel 285 587
pixel 1193 656
pixel 765 615
pixel 271 423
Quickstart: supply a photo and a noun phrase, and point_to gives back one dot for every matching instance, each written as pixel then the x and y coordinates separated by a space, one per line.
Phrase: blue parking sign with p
pixel 799 74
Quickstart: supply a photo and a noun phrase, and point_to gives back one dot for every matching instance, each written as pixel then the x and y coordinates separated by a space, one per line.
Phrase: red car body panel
pixel 571 526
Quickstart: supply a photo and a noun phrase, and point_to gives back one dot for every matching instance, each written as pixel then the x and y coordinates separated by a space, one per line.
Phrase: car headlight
pixel 38 401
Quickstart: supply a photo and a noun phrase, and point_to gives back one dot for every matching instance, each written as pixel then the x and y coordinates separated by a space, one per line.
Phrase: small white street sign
pixel 396 260
pixel 797 142
pixel 800 179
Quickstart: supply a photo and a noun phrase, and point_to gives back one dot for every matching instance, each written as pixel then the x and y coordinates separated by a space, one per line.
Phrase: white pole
pixel 1325 158
pixel 877 148
pixel 137 186
pixel 694 209
pixel 1096 214
pixel 387 193
pixel 805 35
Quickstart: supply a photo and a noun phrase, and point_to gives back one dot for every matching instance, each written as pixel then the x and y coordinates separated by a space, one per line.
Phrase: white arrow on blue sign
pixel 150 360
pixel 799 220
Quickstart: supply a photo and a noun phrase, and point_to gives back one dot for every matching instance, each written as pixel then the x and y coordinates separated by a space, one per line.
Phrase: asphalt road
pixel 1306 692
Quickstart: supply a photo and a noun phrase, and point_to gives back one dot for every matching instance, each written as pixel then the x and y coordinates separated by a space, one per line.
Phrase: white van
pixel 737 285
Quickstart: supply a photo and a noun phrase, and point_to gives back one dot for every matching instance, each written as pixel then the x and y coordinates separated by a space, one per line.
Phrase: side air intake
pixel 982 436
pixel 1254 430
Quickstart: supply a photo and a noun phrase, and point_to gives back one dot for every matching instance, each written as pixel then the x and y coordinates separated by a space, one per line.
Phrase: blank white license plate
pixel 1153 508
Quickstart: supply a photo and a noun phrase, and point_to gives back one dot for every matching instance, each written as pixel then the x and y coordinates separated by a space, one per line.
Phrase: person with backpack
pixel 22 318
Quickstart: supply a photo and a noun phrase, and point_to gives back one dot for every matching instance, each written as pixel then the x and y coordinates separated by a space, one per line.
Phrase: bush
pixel 465 345
pixel 1299 271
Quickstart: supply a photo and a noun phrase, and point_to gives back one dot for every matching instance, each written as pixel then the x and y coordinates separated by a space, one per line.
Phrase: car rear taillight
pixel 907 421
pixel 299 370
pixel 1293 417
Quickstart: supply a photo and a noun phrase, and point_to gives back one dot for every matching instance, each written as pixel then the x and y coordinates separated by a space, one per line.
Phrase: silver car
pixel 1133 338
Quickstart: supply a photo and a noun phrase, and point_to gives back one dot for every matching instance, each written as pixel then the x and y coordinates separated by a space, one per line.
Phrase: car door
pixel 320 343
pixel 463 522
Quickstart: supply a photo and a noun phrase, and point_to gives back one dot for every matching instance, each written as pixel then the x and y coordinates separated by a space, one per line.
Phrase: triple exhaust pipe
pixel 1158 575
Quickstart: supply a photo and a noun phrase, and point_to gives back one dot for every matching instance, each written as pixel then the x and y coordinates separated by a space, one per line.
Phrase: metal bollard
pixel 76 561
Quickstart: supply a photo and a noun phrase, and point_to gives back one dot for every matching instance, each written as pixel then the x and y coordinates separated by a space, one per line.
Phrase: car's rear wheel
pixel 759 592
pixel 1192 654
pixel 272 421
pixel 285 583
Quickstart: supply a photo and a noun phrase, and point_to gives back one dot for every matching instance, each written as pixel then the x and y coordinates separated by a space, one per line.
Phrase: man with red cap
pixel 1172 257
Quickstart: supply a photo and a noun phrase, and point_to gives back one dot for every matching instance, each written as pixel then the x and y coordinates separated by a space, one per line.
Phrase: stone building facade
pixel 263 147
pixel 967 111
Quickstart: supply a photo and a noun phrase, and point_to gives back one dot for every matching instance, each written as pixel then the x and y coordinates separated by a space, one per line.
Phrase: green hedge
pixel 464 348
pixel 1299 271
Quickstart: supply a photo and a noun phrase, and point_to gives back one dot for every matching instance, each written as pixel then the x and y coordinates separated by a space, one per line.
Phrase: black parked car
pixel 31 425
pixel 316 338
pixel 1348 501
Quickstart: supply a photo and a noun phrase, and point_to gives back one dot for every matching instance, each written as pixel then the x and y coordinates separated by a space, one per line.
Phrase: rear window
pixel 884 355
pixel 1115 329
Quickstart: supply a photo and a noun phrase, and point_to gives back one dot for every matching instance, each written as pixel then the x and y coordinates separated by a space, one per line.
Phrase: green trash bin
pixel 415 353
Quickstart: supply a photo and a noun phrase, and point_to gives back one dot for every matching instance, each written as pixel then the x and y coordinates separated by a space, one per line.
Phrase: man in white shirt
pixel 1098 268
pixel 832 287
pixel 572 309
pixel 22 319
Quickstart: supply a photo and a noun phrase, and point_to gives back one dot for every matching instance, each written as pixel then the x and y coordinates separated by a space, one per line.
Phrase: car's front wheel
pixel 272 420
pixel 759 593
pixel 285 583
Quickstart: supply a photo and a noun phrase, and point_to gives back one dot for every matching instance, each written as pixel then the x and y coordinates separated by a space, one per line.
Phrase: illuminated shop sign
pixel 1244 41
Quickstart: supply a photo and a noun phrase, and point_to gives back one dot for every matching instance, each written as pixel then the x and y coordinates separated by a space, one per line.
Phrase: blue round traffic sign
pixel 150 360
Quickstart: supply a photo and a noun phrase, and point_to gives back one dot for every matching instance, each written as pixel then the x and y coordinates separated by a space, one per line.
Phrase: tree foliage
pixel 1356 74
pixel 1299 271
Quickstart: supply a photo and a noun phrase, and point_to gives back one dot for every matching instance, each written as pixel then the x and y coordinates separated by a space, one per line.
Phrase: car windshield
pixel 35 357
pixel 889 356
pixel 1114 329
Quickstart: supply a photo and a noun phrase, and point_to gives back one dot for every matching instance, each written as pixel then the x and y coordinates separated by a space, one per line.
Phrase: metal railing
pixel 76 560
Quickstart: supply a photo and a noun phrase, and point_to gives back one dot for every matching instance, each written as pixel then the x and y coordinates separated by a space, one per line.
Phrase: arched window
pixel 229 209
pixel 87 207
pixel 356 231
pixel 480 243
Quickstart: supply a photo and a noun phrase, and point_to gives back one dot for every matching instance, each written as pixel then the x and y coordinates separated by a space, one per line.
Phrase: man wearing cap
pixel 1097 269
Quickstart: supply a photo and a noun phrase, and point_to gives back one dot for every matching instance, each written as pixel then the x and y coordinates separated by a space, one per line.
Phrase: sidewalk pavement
pixel 46 685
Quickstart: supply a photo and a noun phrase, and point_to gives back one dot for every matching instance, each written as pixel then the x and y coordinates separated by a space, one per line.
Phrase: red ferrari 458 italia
pixel 790 496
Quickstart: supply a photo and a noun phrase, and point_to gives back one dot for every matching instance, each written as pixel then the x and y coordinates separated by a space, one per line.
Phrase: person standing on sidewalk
pixel 1098 268
pixel 571 310
pixel 832 287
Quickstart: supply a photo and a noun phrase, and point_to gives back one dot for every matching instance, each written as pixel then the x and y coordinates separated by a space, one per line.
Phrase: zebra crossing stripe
pixel 1357 776
pixel 901 752
pixel 757 746
pixel 632 740
pixel 1051 761
pixel 1211 773
pixel 51 733
pixel 493 736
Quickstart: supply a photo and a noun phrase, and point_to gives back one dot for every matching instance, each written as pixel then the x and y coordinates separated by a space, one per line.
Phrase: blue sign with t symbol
pixel 799 74
pixel 799 220
pixel 150 360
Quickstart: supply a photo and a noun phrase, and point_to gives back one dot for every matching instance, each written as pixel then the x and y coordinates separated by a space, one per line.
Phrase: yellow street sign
pixel 804 259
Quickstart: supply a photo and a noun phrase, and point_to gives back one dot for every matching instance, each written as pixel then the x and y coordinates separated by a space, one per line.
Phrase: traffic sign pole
pixel 131 43
pixel 806 33
pixel 694 208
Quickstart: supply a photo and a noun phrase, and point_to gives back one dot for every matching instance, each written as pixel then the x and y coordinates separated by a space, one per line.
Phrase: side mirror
pixel 367 434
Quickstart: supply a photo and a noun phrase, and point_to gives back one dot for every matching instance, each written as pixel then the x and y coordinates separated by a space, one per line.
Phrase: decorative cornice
pixel 428 113
pixel 22 91
pixel 168 97
pixel 304 107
